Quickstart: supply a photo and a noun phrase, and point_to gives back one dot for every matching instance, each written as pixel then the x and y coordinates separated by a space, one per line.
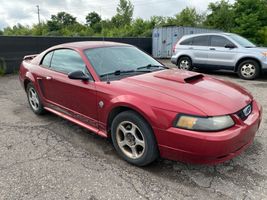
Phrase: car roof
pixel 211 33
pixel 89 44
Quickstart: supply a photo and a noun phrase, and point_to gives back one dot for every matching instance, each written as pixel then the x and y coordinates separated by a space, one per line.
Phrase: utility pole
pixel 38 12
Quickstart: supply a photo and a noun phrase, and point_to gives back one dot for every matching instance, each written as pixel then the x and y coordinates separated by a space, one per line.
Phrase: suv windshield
pixel 242 41
pixel 121 59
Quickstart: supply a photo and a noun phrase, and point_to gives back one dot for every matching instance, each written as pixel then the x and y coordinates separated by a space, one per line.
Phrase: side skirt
pixel 101 133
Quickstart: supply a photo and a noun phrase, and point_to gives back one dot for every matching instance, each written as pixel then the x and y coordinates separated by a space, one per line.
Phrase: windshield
pixel 107 60
pixel 242 41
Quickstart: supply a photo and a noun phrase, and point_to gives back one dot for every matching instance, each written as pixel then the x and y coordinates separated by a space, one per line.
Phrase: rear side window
pixel 187 42
pixel 201 41
pixel 47 59
pixel 66 61
pixel 219 41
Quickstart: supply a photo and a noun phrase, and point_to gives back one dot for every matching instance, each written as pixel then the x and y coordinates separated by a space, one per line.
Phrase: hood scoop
pixel 179 76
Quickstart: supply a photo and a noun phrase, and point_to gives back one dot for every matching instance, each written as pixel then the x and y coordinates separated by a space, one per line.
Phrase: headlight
pixel 264 53
pixel 204 123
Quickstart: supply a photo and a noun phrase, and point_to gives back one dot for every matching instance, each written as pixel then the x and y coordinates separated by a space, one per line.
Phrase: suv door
pixel 75 98
pixel 200 50
pixel 219 55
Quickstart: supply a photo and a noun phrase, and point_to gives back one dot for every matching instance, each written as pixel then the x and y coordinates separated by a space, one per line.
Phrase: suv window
pixel 219 41
pixel 201 41
pixel 187 42
pixel 47 59
pixel 66 61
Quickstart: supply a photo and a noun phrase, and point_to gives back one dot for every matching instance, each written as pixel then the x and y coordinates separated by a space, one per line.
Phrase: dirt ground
pixel 50 158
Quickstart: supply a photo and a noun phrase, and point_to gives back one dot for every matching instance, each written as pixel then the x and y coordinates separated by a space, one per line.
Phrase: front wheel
pixel 185 63
pixel 133 139
pixel 248 70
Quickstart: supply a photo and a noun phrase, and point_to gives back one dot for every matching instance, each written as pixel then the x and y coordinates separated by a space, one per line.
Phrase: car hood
pixel 256 49
pixel 209 95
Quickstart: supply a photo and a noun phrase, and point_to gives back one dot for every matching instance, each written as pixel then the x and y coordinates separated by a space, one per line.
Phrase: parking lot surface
pixel 48 157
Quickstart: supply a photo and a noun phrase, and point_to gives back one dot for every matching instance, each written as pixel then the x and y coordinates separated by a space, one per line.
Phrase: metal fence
pixel 164 38
pixel 14 48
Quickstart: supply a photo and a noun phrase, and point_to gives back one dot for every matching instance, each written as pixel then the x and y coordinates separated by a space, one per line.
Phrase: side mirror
pixel 230 46
pixel 78 75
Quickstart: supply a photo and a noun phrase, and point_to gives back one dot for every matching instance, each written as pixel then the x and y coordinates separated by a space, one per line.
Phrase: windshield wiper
pixel 118 72
pixel 149 66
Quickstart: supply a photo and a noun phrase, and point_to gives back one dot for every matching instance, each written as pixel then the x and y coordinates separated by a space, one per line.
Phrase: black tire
pixel 150 150
pixel 185 63
pixel 252 67
pixel 38 110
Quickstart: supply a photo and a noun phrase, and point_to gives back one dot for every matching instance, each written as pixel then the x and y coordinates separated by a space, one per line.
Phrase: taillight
pixel 173 48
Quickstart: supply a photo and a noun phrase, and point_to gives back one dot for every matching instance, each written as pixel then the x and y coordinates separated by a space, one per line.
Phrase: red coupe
pixel 118 91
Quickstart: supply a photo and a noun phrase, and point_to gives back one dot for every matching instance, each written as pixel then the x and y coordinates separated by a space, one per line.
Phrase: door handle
pixel 48 78
pixel 212 49
pixel 190 48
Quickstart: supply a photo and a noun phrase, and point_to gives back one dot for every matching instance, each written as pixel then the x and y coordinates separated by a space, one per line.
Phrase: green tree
pixel 62 19
pixel 221 16
pixel 17 30
pixel 1 32
pixel 124 14
pixel 157 21
pixel 188 17
pixel 251 19
pixel 93 20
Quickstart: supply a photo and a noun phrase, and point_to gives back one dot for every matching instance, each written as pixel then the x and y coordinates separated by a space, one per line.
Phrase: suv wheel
pixel 133 139
pixel 185 63
pixel 248 70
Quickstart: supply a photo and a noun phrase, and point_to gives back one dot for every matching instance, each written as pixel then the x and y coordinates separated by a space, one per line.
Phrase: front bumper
pixel 264 65
pixel 209 147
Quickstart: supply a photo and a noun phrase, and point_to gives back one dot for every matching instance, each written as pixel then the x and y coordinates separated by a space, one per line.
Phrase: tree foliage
pixel 221 16
pixel 124 14
pixel 188 17
pixel 245 17
pixel 251 18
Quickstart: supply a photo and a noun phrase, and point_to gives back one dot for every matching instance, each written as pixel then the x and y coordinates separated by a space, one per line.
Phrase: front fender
pixel 133 103
pixel 156 117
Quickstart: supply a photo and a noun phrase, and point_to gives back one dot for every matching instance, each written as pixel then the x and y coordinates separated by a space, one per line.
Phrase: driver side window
pixel 218 41
pixel 66 61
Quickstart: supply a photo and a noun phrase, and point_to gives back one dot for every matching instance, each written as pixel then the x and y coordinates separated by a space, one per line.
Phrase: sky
pixel 25 11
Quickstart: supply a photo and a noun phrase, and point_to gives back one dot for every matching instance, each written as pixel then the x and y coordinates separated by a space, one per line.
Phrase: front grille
pixel 241 113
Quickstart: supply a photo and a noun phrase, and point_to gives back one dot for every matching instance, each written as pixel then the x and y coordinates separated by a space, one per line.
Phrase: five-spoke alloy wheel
pixel 34 100
pixel 133 138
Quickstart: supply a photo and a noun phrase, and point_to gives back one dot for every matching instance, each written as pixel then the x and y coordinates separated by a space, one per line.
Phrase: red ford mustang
pixel 118 91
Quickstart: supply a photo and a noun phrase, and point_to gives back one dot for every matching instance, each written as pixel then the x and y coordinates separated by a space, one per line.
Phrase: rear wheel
pixel 133 139
pixel 248 70
pixel 34 100
pixel 185 63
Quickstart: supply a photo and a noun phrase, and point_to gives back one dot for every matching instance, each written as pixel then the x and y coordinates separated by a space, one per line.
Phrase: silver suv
pixel 220 51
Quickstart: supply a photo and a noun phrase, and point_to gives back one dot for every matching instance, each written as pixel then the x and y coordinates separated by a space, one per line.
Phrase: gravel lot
pixel 50 158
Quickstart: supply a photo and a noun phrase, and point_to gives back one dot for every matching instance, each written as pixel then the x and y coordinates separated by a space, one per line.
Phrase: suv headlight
pixel 203 123
pixel 264 53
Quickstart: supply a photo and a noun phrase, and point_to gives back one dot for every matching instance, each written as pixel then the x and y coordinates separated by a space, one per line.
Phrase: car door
pixel 219 55
pixel 200 50
pixel 75 98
